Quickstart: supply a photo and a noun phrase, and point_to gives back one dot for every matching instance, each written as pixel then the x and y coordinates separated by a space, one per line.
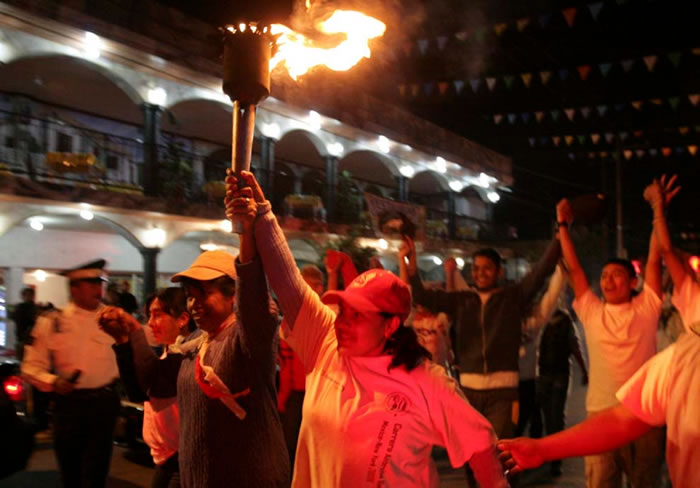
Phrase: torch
pixel 246 80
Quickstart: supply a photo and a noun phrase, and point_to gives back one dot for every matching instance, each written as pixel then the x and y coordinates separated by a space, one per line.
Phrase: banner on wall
pixel 387 215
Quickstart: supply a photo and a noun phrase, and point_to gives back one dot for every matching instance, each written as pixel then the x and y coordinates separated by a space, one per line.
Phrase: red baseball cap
pixel 376 290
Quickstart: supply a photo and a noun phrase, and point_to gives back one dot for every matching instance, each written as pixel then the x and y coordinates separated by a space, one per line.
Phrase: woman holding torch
pixel 374 405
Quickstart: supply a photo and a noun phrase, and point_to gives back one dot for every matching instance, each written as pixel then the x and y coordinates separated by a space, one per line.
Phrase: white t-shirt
pixel 666 390
pixel 620 338
pixel 161 426
pixel 686 299
pixel 364 425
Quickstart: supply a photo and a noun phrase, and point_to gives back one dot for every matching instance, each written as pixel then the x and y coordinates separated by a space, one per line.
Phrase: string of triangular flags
pixel 571 113
pixel 568 15
pixel 639 153
pixel 584 72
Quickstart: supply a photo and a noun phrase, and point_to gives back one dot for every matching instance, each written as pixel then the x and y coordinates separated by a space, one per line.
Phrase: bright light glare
pixel 440 164
pixel 208 246
pixel 493 196
pixel 155 237
pixel 407 171
pixel 460 262
pixel 36 225
pixel 86 214
pixel 335 149
pixel 384 144
pixel 272 130
pixel 40 275
pixel 226 225
pixel 157 96
pixel 92 46
pixel 314 120
pixel 456 185
pixel 437 260
pixel 383 244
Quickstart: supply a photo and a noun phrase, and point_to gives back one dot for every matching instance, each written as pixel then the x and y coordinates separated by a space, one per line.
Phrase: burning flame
pixel 298 54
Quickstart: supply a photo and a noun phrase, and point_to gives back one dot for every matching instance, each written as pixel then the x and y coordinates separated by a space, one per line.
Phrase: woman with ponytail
pixel 374 404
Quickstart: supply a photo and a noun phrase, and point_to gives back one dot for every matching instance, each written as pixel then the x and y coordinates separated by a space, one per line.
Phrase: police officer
pixel 69 355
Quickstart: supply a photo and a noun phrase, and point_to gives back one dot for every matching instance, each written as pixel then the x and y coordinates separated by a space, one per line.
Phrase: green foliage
pixel 348 200
pixel 175 172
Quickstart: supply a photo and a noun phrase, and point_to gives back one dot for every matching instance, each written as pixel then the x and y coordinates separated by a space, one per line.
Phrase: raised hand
pixel 667 187
pixel 564 212
pixel 450 265
pixel 520 454
pixel 242 201
pixel 115 322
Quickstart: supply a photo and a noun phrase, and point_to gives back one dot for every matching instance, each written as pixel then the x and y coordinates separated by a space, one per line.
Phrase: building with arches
pixel 114 143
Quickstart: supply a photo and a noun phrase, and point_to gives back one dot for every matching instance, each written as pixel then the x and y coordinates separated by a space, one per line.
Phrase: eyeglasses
pixel 423 332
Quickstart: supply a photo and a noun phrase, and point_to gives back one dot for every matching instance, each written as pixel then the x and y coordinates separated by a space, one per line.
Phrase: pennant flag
pixel 569 140
pixel 442 42
pixel 428 88
pixel 402 90
pixel 619 107
pixel 650 61
pixel 475 84
pixel 684 131
pixel 602 109
pixel 572 156
pixel 639 153
pixel 544 140
pixel 563 74
pixel 584 71
pixel 675 58
pixel 525 116
pixel 555 115
pixel 480 34
pixel 527 78
pixel 616 156
pixel 497 118
pixel 657 101
pixel 666 151
pixel 582 139
pixel 508 79
pixel 545 76
pixel 570 15
pixel 653 152
pixel 462 36
pixel 605 68
pixel 585 111
pixel 595 9
pixel 415 89
pixel 680 149
pixel 674 101
pixel 696 51
pixel 692 149
pixel 628 154
pixel 637 104
pixel 407 48
pixel 556 140
pixel 591 155
pixel 442 87
pixel 532 141
pixel 491 82
pixel 500 28
pixel 627 64
pixel 638 133
pixel 544 19
pixel 459 85
pixel 694 99
pixel 539 116
pixel 512 118
pixel 570 112
pixel 623 136
pixel 423 45
pixel 595 138
pixel 522 23
pixel 610 137
pixel 603 154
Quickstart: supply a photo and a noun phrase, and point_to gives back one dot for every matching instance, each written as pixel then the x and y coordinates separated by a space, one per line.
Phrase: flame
pixel 298 54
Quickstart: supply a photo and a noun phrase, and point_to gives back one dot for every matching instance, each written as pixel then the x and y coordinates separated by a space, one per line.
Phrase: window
pixel 9 142
pixel 112 162
pixel 65 143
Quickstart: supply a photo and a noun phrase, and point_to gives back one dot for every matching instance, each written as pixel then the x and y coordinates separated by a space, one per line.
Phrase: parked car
pixel 18 432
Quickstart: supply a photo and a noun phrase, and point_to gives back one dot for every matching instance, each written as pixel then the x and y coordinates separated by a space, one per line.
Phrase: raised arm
pixel 652 271
pixel 577 276
pixel 618 423
pixel 542 311
pixel 659 194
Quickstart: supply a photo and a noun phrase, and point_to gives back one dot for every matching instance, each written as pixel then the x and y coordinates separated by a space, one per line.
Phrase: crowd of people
pixel 267 379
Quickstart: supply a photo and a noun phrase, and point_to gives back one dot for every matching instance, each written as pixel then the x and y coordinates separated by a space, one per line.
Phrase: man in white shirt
pixel 621 336
pixel 70 356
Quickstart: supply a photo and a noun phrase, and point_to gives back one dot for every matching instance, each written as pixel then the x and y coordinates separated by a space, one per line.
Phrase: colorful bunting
pixel 591 155
pixel 584 71
pixel 650 61
pixel 462 36
pixel 674 101
pixel 500 28
pixel 442 87
pixel 653 152
pixel 512 118
pixel 527 79
pixel 556 140
pixel 582 139
pixel 694 99
pixel 680 149
pixel 619 107
pixel 442 42
pixel 522 23
pixel 415 89
pixel 696 51
pixel 563 74
pixel 637 104
pixel 627 64
pixel 428 88
pixel 595 9
pixel 569 15
pixel 539 116
pixel 684 130
pixel 570 112
pixel 459 85
pixel 555 114
pixel 628 154
pixel 602 109
pixel 585 111
pixel 525 116
pixel 623 136
pixel 423 45
pixel 569 140
pixel 532 141
pixel 545 76
pixel 497 118
pixel 640 153
pixel 475 84
pixel 666 151
pixel 603 154
pixel 509 81
pixel 491 82
pixel 604 68
pixel 675 58
pixel 638 133
pixel 657 101
pixel 692 149
pixel 544 140
pixel 595 138
pixel 407 48
pixel 402 90
pixel 609 137
pixel 572 156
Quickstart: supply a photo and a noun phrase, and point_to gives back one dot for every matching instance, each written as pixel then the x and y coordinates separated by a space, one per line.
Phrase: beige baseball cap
pixel 209 266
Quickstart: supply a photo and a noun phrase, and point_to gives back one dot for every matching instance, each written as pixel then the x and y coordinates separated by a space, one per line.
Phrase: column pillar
pixel 151 144
pixel 14 282
pixel 150 259
pixel 403 188
pixel 451 215
pixel 331 186
pixel 267 163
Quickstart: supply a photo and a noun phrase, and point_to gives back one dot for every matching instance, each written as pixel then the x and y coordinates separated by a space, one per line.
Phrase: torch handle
pixel 242 143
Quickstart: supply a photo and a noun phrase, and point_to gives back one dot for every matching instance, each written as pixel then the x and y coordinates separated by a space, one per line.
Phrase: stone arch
pixel 304 251
pixel 370 166
pixel 300 147
pixel 71 81
pixel 199 118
